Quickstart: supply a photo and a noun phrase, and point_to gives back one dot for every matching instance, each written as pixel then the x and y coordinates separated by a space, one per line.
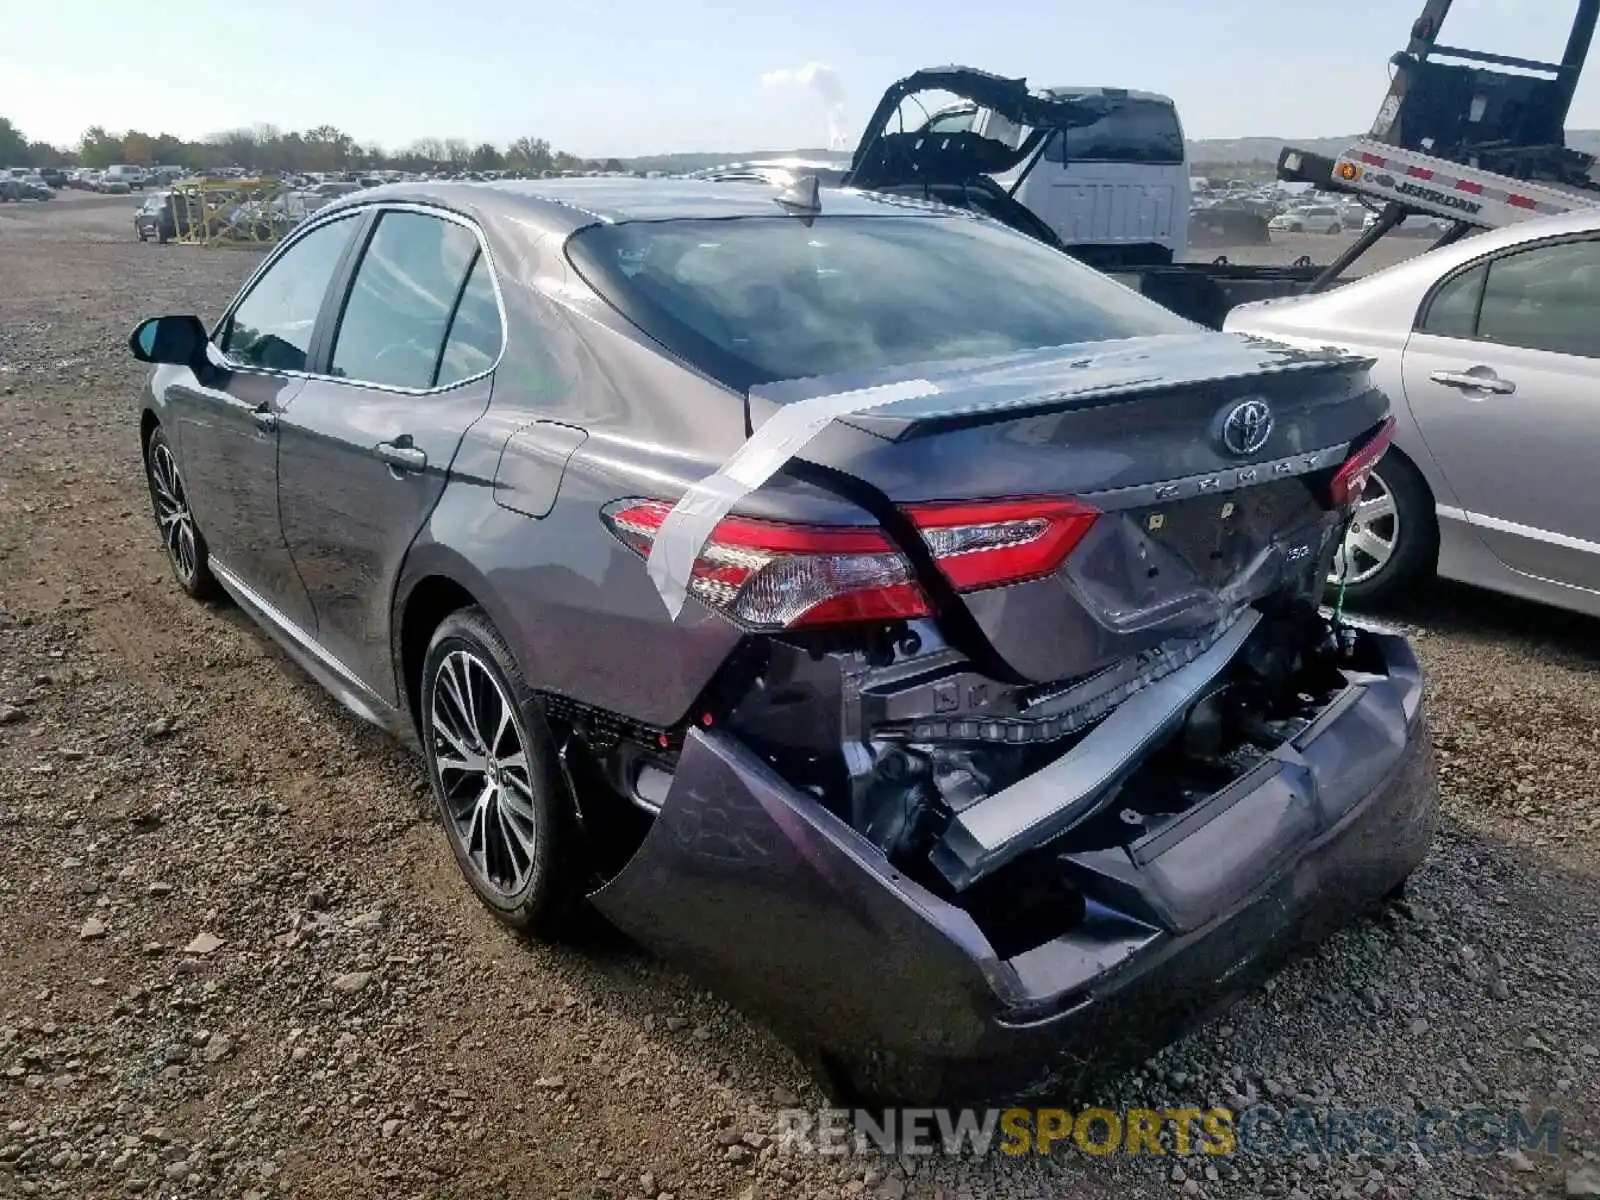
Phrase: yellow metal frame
pixel 210 211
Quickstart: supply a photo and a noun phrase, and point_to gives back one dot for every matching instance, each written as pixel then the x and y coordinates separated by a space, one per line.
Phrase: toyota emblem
pixel 1245 427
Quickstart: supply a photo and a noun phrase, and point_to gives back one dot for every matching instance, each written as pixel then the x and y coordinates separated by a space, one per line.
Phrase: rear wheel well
pixel 1409 464
pixel 431 601
pixel 1416 554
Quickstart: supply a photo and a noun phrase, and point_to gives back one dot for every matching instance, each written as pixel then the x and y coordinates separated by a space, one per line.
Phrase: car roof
pixel 1362 304
pixel 1583 220
pixel 566 205
pixel 1112 93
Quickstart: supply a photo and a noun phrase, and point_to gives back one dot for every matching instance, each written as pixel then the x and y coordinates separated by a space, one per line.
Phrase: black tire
pixel 1416 552
pixel 1335 228
pixel 538 903
pixel 190 560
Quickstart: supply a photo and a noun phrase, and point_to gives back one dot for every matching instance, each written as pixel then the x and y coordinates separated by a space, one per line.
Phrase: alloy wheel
pixel 1374 533
pixel 480 753
pixel 172 514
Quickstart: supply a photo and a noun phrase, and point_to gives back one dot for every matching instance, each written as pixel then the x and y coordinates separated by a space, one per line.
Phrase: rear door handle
pixel 1487 381
pixel 401 454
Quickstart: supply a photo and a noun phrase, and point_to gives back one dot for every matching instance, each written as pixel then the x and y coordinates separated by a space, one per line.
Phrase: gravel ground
pixel 236 958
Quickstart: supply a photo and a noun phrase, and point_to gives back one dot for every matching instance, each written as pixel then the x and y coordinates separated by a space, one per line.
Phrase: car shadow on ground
pixel 1445 607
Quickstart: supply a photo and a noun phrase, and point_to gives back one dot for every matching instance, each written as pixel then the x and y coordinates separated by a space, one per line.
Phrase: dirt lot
pixel 236 958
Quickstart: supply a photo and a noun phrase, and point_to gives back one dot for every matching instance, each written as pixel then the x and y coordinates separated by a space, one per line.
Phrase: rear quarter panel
pixel 576 606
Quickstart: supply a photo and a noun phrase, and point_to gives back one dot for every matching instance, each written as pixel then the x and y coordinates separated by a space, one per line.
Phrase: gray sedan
pixel 1490 353
pixel 847 598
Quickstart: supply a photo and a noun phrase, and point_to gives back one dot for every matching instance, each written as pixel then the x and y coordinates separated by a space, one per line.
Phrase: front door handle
pixel 266 420
pixel 401 454
pixel 1480 379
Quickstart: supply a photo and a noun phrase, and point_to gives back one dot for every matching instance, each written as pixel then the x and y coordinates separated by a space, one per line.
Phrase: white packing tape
pixel 788 431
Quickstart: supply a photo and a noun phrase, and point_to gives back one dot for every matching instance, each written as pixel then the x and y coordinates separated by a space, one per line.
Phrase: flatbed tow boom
pixel 1455 139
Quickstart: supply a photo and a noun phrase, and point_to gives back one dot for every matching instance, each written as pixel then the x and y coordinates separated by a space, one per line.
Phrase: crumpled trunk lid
pixel 1198 516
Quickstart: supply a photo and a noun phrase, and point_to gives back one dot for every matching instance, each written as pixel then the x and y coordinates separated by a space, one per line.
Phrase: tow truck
pixel 1476 138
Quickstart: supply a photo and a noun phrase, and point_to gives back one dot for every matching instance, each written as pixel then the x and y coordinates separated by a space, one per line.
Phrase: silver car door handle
pixel 1467 379
pixel 265 419
pixel 401 454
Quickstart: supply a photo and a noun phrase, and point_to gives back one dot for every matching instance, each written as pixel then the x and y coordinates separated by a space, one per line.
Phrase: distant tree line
pixel 266 148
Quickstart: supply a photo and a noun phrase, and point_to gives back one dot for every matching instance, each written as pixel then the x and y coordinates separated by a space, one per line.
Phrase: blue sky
pixel 624 77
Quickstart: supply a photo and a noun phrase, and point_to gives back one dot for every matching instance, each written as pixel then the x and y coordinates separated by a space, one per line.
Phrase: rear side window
pixel 757 299
pixel 398 311
pixel 1546 298
pixel 473 343
pixel 1453 311
pixel 272 325
pixel 1136 131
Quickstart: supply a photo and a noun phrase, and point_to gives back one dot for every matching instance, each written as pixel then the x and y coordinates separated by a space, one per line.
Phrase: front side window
pixel 399 307
pixel 754 300
pixel 1546 298
pixel 272 326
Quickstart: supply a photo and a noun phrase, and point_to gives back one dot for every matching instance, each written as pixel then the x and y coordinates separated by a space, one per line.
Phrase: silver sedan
pixel 1490 352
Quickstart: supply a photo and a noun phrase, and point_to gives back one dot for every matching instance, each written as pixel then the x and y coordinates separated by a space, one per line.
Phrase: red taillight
pixel 772 575
pixel 1351 479
pixel 769 575
pixel 988 543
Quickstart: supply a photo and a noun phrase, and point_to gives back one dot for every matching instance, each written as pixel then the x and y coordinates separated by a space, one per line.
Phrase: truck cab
pixel 1117 191
pixel 1101 172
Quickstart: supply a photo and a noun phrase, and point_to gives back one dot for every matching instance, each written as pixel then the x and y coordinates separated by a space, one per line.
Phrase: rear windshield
pixel 1136 131
pixel 753 300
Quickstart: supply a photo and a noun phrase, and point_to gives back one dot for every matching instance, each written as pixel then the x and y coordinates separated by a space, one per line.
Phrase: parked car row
pixel 242 212
pixel 1318 218
pixel 23 183
pixel 1275 211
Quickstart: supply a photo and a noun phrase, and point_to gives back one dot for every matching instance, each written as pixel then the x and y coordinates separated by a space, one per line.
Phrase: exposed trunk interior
pixel 898 736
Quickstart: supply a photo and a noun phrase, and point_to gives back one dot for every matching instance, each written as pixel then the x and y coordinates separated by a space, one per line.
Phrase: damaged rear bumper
pixel 791 914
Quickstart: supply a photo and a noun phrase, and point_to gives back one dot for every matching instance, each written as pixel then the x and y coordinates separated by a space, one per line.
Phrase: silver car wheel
pixel 172 514
pixel 481 756
pixel 1374 533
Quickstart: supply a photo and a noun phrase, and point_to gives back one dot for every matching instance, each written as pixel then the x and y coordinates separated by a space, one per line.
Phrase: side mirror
pixel 179 341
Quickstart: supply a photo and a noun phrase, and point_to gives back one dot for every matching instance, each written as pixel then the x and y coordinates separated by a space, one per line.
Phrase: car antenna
pixel 803 196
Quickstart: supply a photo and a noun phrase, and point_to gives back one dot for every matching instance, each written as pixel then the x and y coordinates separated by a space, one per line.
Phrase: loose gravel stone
pixel 203 943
